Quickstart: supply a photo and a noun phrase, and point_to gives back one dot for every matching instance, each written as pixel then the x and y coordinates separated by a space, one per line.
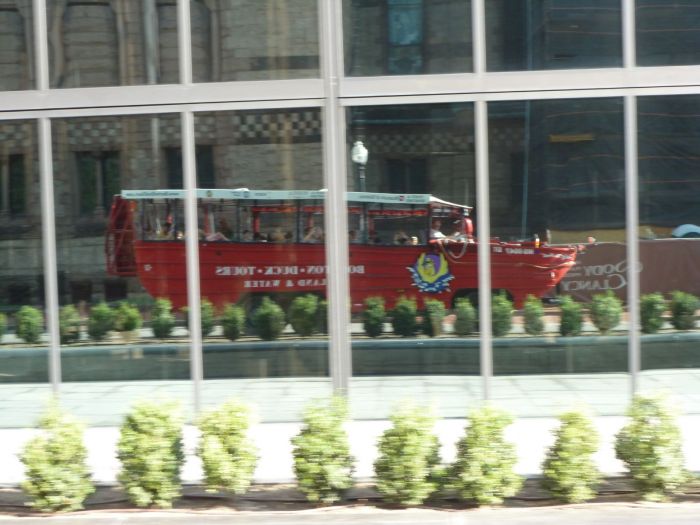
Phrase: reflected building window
pixel 404 37
pixel 13 185
pixel 112 42
pixel 206 178
pixel 99 180
pixel 16 70
pixel 405 31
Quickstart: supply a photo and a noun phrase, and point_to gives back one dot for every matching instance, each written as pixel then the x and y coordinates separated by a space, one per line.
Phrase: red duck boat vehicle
pixel 257 243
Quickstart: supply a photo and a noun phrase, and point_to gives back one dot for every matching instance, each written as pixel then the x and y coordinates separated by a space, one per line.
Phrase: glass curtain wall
pixel 121 264
pixel 262 259
pixel 668 33
pixel 669 229
pixel 254 40
pixel 16 45
pixel 523 35
pixel 407 37
pixel 558 262
pixel 24 376
pixel 411 190
pixel 112 43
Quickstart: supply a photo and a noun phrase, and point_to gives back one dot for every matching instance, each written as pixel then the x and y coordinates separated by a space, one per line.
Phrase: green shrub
pixel 29 324
pixel 100 322
pixel 303 314
pixel 501 314
pixel 68 324
pixel 127 318
pixel 533 313
pixel 268 320
pixel 569 471
pixel 465 317
pixel 57 477
pixel 432 319
pixel 3 325
pixel 233 321
pixel 206 316
pixel 403 315
pixel 683 306
pixel 150 451
pixel 322 461
pixel 408 465
pixel 322 317
pixel 483 469
pixel 571 317
pixel 162 318
pixel 227 453
pixel 373 316
pixel 605 311
pixel 652 308
pixel 650 445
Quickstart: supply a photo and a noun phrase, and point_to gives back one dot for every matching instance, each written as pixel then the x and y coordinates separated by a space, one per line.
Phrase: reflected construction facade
pixel 210 153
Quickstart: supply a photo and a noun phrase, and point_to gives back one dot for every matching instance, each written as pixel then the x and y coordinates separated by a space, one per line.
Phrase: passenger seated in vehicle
pixel 400 237
pixel 276 235
pixel 435 232
pixel 247 236
pixel 313 234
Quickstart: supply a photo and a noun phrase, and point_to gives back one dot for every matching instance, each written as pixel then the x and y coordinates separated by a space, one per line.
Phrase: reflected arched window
pixel 15 46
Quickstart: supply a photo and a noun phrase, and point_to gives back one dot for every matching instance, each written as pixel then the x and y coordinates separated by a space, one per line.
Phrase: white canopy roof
pixel 282 195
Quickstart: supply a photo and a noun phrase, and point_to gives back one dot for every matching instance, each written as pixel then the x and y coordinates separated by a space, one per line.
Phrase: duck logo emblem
pixel 430 273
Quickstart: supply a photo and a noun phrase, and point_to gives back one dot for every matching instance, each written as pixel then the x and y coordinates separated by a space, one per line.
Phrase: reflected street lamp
pixel 359 155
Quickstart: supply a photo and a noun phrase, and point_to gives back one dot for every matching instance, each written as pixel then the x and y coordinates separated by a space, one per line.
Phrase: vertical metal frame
pixel 479 36
pixel 189 177
pixel 483 205
pixel 629 51
pixel 335 177
pixel 184 41
pixel 48 222
pixel 192 256
pixel 632 240
pixel 49 251
pixel 483 226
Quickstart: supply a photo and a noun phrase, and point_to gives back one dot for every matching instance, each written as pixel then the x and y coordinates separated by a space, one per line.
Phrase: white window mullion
pixel 632 219
pixel 189 176
pixel 335 176
pixel 49 251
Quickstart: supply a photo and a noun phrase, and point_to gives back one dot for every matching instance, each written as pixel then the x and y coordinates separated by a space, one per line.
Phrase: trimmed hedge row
pixel 408 468
pixel 307 315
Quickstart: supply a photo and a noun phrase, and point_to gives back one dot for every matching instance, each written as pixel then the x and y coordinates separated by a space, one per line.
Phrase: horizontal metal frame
pixel 135 96
pixel 161 109
pixel 525 95
pixel 521 81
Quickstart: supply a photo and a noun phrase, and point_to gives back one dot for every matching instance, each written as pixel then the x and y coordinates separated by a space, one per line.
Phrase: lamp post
pixel 359 155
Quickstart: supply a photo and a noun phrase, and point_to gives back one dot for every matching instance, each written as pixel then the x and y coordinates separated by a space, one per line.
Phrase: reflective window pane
pixel 16 46
pixel 407 37
pixel 553 34
pixel 254 40
pixel 669 229
pixel 24 376
pixel 262 259
pixel 412 258
pixel 558 224
pixel 118 260
pixel 668 33
pixel 104 43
